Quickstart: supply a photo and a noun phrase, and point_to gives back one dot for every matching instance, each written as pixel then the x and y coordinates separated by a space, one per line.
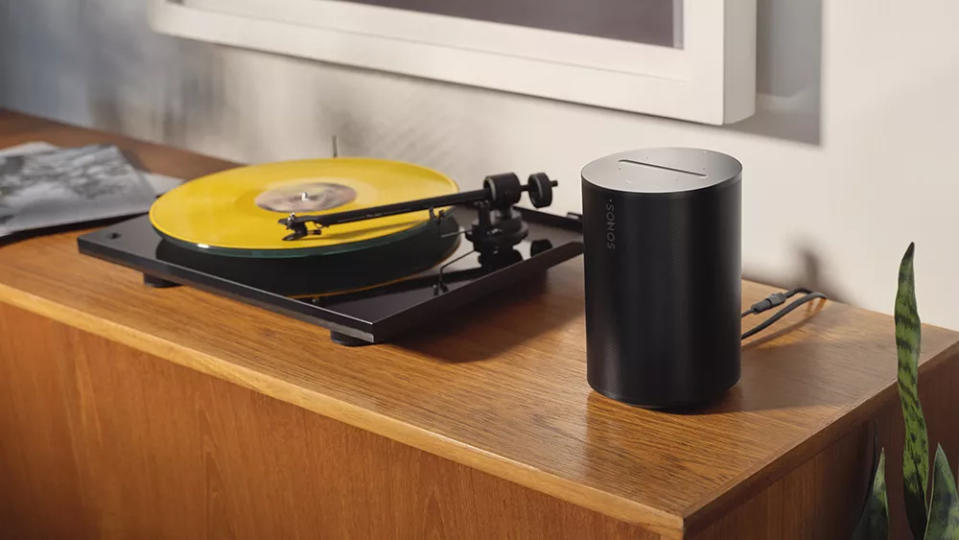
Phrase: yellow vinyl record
pixel 236 212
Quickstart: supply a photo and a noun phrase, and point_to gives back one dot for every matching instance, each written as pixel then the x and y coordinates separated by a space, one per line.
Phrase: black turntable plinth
pixel 366 298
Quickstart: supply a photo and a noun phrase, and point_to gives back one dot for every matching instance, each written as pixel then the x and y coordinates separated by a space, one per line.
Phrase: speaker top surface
pixel 662 170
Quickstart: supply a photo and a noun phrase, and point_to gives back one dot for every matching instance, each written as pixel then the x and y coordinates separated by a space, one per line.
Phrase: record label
pixel 305 197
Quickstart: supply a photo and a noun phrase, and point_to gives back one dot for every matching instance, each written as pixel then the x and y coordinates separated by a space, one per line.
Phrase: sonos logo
pixel 610 226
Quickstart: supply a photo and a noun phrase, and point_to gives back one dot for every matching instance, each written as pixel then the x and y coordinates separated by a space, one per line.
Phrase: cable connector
pixel 771 301
pixel 808 297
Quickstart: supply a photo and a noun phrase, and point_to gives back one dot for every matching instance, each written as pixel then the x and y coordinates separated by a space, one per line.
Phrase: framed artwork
pixel 676 58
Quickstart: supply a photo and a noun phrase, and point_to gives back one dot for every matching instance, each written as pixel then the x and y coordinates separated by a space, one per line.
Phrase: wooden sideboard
pixel 127 411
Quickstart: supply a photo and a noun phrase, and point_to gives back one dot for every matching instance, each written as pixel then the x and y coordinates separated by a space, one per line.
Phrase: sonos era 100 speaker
pixel 661 229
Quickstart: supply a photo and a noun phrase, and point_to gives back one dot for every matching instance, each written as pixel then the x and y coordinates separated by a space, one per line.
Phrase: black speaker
pixel 661 229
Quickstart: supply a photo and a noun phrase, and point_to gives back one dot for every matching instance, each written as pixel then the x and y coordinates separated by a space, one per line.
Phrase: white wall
pixel 848 159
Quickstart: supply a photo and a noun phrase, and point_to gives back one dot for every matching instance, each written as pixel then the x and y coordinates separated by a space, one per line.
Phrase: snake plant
pixel 935 516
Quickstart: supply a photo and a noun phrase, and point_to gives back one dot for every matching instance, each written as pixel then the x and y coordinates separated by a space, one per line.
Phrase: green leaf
pixel 944 502
pixel 915 459
pixel 874 521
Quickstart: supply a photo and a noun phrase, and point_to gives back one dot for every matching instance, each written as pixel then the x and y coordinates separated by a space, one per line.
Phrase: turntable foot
pixel 347 341
pixel 157 283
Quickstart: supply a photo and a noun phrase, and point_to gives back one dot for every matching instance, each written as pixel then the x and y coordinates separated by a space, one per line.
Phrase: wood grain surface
pixel 501 389
pixel 126 445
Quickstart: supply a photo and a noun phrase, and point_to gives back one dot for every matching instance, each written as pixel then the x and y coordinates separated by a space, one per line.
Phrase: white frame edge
pixel 710 80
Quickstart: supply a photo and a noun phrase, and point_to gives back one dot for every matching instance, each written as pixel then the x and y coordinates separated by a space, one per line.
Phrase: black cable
pixel 776 299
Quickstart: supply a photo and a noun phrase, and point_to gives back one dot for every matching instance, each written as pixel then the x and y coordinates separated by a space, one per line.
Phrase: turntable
pixel 367 248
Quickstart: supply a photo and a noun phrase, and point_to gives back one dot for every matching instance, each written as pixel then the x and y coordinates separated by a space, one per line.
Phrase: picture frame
pixel 710 78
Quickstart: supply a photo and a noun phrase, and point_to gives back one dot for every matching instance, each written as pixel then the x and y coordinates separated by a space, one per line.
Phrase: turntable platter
pixel 235 212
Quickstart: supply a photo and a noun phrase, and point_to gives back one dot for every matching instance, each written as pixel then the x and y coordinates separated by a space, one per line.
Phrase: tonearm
pixel 498 222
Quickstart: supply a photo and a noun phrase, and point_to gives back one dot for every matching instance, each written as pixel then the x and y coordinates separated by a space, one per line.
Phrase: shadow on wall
pixel 788 77
pixel 788 71
pixel 187 93
pixel 146 84
pixel 809 274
